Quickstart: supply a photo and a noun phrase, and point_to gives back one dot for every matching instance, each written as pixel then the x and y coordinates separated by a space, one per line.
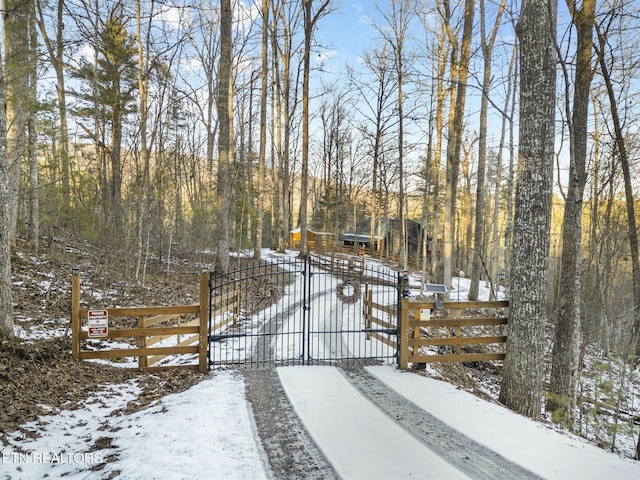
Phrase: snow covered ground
pixel 208 432
pixel 204 432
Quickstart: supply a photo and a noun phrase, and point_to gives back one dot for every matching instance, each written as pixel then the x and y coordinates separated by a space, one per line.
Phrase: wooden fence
pixel 148 332
pixel 379 320
pixel 339 263
pixel 452 333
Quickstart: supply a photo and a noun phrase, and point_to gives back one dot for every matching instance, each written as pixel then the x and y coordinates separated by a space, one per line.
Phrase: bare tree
pixel 224 104
pixel 143 41
pixel 442 50
pixel 6 302
pixel 33 232
pixel 521 388
pixel 397 21
pixel 311 19
pixel 287 18
pixel 264 76
pixel 460 72
pixel 566 347
pixel 499 241
pixel 487 43
pixel 16 38
pixel 622 151
pixel 376 95
pixel 55 51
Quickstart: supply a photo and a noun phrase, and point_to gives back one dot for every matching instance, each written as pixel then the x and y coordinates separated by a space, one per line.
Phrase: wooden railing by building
pixel 147 332
pixel 338 263
pixel 414 320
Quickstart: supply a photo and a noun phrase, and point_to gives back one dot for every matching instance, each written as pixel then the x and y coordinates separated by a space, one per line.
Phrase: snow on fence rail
pixel 147 331
pixel 452 332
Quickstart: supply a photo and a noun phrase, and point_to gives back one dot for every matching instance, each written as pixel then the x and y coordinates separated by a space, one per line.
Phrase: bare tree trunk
pixel 441 94
pixel 306 58
pixel 143 88
pixel 400 27
pixel 477 266
pixel 263 129
pixel 566 347
pixel 6 301
pixel 521 388
pixel 310 22
pixel 621 146
pixel 32 134
pixel 55 53
pixel 15 31
pixel 225 145
pixel 428 161
pixel 398 24
pixel 497 241
pixel 455 141
pixel 34 205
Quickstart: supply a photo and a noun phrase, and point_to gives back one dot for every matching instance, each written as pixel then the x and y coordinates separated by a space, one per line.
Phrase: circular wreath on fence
pixel 265 292
pixel 348 291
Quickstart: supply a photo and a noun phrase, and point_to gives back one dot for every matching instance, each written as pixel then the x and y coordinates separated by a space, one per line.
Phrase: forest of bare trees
pixel 506 130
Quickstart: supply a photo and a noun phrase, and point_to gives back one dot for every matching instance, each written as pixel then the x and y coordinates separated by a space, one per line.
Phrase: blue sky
pixel 346 32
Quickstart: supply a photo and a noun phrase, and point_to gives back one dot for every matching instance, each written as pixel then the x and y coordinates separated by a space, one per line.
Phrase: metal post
pixel 400 287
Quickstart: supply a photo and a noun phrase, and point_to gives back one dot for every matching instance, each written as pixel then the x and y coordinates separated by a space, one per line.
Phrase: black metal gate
pixel 322 310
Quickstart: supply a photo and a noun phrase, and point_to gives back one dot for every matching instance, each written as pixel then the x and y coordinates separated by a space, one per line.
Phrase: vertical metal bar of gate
pixel 209 353
pixel 306 290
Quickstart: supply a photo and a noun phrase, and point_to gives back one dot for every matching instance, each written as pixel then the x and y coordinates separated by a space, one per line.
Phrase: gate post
pixel 75 313
pixel 203 334
pixel 403 335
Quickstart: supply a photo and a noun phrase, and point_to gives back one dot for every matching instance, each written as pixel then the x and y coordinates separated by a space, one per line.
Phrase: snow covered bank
pixel 204 432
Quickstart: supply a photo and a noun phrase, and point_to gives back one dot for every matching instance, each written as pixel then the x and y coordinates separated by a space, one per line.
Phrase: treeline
pixel 220 126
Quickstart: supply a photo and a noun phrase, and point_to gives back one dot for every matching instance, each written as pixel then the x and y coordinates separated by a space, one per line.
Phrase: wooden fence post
pixel 403 336
pixel 368 310
pixel 143 361
pixel 236 304
pixel 75 313
pixel 204 323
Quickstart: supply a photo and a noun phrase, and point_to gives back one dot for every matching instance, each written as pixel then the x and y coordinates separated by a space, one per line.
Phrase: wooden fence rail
pixel 416 319
pixel 148 332
pixel 379 320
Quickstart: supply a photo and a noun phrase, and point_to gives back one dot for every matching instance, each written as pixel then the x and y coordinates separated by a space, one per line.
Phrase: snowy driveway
pixel 357 438
pixel 485 440
pixel 209 432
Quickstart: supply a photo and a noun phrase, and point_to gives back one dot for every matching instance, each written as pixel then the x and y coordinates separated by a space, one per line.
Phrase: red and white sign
pixel 98 323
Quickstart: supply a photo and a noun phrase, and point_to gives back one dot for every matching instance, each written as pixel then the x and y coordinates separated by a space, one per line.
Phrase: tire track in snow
pixel 291 452
pixel 456 448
